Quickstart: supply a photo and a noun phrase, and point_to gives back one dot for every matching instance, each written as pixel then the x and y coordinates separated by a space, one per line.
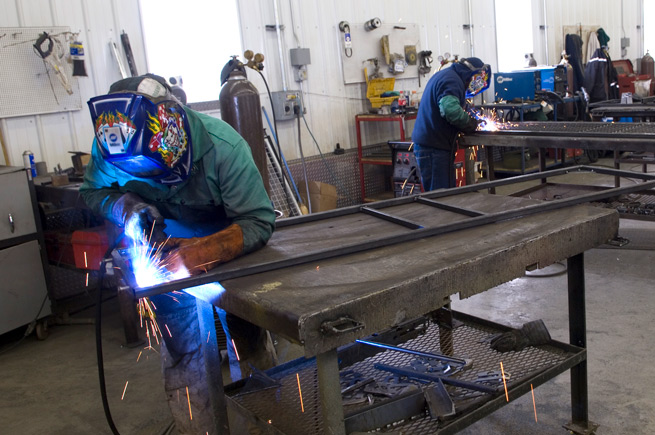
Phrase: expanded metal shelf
pixel 280 407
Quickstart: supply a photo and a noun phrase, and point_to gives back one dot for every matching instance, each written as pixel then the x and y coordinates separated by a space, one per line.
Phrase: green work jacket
pixel 223 187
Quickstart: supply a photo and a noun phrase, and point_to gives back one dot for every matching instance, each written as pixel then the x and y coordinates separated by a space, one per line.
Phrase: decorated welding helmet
pixel 480 79
pixel 143 138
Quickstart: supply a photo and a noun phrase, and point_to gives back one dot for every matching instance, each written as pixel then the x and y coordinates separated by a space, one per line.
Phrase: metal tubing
pixel 441 205
pixel 464 189
pixel 212 358
pixel 578 337
pixel 222 274
pixel 433 377
pixel 278 31
pixel 415 352
pixel 327 364
pixel 390 218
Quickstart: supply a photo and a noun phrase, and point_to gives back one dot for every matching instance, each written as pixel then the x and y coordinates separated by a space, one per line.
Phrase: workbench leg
pixel 129 315
pixel 542 163
pixel 580 423
pixel 617 165
pixel 491 174
pixel 212 359
pixel 327 364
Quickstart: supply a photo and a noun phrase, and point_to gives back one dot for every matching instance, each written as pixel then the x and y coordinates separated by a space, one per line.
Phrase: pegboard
pixel 27 85
pixel 367 45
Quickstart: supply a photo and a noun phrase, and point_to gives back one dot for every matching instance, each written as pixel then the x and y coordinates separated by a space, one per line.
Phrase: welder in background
pixel 183 174
pixel 441 117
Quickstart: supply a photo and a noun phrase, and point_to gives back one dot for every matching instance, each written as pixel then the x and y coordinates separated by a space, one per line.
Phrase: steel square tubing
pixel 231 273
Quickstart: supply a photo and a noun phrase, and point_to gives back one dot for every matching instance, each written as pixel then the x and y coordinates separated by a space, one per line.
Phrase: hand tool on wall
pixel 424 64
pixel 344 26
pixel 50 52
pixel 127 48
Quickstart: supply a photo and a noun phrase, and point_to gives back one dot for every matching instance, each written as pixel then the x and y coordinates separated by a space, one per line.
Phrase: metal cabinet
pixel 23 293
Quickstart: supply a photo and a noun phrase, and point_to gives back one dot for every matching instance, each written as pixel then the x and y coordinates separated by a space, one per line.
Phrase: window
pixel 513 33
pixel 649 30
pixel 193 40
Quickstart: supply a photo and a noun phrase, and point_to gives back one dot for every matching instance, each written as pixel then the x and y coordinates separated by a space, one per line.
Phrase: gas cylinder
pixel 648 65
pixel 241 108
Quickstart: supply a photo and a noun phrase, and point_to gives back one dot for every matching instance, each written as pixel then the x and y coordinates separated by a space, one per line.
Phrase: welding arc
pixel 101 366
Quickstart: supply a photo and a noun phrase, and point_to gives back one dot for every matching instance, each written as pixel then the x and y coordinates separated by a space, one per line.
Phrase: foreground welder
pixel 441 117
pixel 180 173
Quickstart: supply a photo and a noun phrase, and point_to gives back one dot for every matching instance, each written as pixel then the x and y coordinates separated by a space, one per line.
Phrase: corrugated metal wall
pixel 331 105
pixel 52 136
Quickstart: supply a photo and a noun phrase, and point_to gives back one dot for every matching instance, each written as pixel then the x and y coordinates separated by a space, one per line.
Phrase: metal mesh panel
pixel 281 408
pixel 68 282
pixel 341 171
pixel 597 129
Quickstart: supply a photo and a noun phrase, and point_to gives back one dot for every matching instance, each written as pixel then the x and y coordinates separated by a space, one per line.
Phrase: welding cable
pixel 101 365
pixel 296 110
pixel 270 98
pixel 288 173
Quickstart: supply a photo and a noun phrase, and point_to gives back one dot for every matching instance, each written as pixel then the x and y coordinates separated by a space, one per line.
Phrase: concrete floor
pixel 51 386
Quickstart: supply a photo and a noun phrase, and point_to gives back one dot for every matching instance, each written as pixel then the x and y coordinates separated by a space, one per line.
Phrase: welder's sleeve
pixel 99 190
pixel 246 204
pixel 451 111
pixel 244 196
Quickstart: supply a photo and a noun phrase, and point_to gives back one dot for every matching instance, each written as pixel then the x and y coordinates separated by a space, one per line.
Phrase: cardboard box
pixel 323 196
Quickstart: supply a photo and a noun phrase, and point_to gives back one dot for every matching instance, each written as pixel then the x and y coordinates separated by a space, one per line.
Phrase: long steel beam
pixel 226 272
pixel 588 135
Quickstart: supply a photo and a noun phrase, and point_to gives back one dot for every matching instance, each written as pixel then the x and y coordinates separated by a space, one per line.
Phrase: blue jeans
pixel 183 362
pixel 436 166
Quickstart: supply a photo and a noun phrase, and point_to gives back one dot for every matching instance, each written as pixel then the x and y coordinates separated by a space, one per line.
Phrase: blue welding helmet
pixel 144 138
pixel 480 77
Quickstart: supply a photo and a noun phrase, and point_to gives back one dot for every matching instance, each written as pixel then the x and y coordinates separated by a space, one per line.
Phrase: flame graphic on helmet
pixel 109 119
pixel 169 137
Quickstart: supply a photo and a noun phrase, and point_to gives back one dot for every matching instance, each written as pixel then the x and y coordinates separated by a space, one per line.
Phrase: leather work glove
pixel 200 254
pixel 471 126
pixel 130 209
pixel 531 334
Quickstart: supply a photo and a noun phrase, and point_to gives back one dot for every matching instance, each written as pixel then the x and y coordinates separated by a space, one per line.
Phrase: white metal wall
pixel 331 105
pixel 52 136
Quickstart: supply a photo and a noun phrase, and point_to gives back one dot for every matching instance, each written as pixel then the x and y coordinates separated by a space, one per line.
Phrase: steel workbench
pixel 615 136
pixel 327 279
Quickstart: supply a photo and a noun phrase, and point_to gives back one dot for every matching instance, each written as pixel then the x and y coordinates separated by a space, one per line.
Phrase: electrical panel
pixel 300 56
pixel 285 103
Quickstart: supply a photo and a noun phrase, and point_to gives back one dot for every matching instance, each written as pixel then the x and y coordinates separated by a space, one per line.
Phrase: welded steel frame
pixel 565 135
pixel 431 198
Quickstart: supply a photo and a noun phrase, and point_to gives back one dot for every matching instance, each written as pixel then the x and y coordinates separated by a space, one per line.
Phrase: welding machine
pixel 520 85
pixel 525 84
pixel 553 78
pixel 406 178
